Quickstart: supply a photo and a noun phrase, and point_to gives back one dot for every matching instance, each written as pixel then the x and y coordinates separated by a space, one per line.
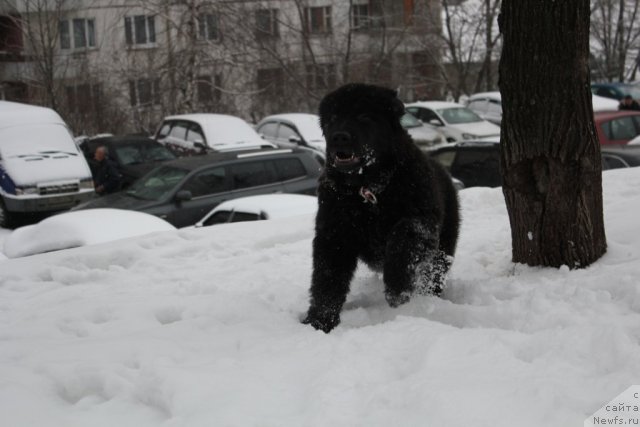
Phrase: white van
pixel 41 168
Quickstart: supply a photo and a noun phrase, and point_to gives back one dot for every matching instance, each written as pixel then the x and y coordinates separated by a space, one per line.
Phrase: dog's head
pixel 360 123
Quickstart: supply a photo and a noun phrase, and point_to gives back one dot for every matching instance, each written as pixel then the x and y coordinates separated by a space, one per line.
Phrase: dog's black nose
pixel 341 138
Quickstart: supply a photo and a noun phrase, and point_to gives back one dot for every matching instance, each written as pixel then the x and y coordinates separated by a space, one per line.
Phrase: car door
pixel 208 188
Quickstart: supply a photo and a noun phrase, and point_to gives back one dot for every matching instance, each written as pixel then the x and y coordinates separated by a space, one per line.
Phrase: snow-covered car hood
pixel 80 228
pixel 39 154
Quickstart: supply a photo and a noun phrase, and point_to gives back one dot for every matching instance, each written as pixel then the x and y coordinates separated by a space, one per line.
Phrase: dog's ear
pixel 397 107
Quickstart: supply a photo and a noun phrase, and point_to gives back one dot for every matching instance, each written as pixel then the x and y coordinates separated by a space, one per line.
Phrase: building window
pixel 208 89
pixel 83 97
pixel 208 27
pixel 317 19
pixel 140 30
pixel 321 77
pixel 10 34
pixel 267 23
pixel 144 92
pixel 365 16
pixel 77 33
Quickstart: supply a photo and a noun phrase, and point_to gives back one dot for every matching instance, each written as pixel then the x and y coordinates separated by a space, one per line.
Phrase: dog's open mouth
pixel 346 159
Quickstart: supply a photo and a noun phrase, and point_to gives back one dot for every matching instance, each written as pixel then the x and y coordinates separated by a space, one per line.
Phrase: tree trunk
pixel 551 167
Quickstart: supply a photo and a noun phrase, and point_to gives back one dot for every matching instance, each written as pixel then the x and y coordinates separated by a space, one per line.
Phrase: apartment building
pixel 121 65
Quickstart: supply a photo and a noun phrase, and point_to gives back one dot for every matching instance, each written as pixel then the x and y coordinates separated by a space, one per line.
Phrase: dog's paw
pixel 322 320
pixel 396 300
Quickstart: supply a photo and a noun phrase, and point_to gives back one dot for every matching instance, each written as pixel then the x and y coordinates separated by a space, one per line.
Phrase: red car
pixel 617 127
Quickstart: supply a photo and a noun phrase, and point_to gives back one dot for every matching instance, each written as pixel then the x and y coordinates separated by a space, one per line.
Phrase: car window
pixel 285 132
pixel 269 129
pixel 478 105
pixel 252 174
pixel 219 217
pixel 244 216
pixel 179 130
pixel 289 168
pixel 195 133
pixel 157 184
pixel 612 162
pixel 459 115
pixel 408 120
pixel 128 154
pixel 620 128
pixel 155 152
pixel 207 182
pixel 164 130
pixel 424 114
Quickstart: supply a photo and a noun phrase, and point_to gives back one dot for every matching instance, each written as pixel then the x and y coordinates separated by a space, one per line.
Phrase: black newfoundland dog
pixel 381 201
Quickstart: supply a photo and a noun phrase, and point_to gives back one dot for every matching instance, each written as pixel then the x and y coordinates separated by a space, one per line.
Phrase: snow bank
pixel 201 327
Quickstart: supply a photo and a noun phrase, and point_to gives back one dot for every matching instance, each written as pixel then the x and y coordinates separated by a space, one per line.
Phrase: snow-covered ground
pixel 201 327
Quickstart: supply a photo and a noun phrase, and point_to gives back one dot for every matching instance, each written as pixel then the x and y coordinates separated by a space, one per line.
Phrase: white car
pixel 487 105
pixel 196 133
pixel 292 130
pixel 455 121
pixel 424 136
pixel 254 208
pixel 80 228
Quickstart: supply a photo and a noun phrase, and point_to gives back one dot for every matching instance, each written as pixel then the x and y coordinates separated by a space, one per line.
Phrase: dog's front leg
pixel 334 262
pixel 412 257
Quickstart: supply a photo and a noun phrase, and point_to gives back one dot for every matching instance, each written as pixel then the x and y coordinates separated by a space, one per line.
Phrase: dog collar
pixel 368 196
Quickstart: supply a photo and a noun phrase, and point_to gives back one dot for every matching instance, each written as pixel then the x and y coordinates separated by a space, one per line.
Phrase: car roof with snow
pixel 436 105
pixel 15 114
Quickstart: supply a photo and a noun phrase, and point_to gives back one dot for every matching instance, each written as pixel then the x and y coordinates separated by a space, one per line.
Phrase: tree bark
pixel 550 153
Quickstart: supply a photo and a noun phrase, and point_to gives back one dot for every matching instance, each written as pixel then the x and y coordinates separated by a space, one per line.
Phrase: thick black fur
pixel 409 232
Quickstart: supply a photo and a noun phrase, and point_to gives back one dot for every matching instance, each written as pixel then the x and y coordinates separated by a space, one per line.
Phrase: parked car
pixel 616 90
pixel 293 129
pixel 477 163
pixel 456 122
pixel 424 136
pixel 73 229
pixel 133 155
pixel 190 134
pixel 263 207
pixel 182 191
pixel 487 105
pixel 617 127
pixel 474 163
pixel 41 168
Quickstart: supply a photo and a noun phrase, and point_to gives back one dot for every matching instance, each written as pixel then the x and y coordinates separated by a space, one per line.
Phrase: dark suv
pixel 182 191
pixel 477 163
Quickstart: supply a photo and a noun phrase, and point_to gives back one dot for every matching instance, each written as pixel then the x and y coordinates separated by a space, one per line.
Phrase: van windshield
pixel 36 140
pixel 157 184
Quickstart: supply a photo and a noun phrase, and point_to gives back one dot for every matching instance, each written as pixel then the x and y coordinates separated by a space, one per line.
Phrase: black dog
pixel 380 200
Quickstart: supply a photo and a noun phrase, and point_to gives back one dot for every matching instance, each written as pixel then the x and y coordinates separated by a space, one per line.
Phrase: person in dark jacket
pixel 106 177
pixel 628 103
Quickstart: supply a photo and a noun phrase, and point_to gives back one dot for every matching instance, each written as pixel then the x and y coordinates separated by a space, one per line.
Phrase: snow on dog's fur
pixel 381 201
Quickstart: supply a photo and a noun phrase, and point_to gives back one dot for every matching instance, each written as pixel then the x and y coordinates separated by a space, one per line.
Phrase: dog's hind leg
pixel 413 262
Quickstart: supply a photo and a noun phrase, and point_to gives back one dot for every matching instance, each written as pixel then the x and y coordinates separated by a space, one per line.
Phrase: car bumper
pixel 58 202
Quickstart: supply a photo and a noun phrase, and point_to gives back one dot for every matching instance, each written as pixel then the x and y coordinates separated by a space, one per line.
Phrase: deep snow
pixel 201 327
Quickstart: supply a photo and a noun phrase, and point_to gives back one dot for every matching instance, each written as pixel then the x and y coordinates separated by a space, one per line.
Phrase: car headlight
pixel 86 184
pixel 26 191
pixel 468 136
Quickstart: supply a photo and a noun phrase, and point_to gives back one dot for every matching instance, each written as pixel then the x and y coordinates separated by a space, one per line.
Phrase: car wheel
pixel 6 220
